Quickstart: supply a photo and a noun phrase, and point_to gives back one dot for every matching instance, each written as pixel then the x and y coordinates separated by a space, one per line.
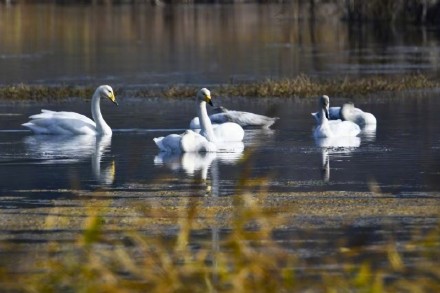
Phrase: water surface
pixel 399 157
pixel 138 45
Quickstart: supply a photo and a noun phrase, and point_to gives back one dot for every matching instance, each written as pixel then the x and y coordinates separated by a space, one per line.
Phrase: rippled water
pixel 400 157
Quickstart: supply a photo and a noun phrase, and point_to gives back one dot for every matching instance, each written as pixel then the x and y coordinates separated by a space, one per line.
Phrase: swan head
pixel 324 104
pixel 106 91
pixel 346 111
pixel 204 95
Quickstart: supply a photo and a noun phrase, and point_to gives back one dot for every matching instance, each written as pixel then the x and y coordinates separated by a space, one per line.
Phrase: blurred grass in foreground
pixel 302 86
pixel 244 257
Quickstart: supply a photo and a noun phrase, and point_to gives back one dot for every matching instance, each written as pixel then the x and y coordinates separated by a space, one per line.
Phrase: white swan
pixel 356 115
pixel 209 138
pixel 348 112
pixel 335 128
pixel 244 119
pixel 71 123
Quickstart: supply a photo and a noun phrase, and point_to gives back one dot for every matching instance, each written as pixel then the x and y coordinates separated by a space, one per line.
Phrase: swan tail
pixel 158 141
pixel 35 128
pixel 270 122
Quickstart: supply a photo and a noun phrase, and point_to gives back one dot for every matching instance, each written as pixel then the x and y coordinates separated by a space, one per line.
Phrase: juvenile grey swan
pixel 244 119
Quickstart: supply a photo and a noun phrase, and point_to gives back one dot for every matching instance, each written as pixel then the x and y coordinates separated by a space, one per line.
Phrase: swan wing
pixel 228 132
pixel 194 123
pixel 194 142
pixel 52 122
pixel 169 143
pixel 243 118
pixel 334 114
pixel 344 128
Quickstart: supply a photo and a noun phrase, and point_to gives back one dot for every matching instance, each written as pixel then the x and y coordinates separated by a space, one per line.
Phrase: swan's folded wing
pixel 243 118
pixel 219 118
pixel 194 142
pixel 169 143
pixel 51 122
pixel 345 128
pixel 194 123
pixel 228 132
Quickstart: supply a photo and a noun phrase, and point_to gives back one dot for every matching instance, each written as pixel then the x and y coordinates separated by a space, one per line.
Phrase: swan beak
pixel 113 99
pixel 327 114
pixel 209 101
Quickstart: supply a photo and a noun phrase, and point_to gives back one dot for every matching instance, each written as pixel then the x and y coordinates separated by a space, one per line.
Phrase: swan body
pixel 189 141
pixel 244 119
pixel 334 113
pixel 348 112
pixel 335 128
pixel 71 123
pixel 356 115
pixel 208 138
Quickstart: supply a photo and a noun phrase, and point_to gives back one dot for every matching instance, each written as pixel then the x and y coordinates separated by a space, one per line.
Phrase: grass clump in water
pixel 301 86
pixel 24 92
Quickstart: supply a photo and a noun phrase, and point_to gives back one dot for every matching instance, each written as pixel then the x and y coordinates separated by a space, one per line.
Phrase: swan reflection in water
pixel 335 145
pixel 194 162
pixel 56 149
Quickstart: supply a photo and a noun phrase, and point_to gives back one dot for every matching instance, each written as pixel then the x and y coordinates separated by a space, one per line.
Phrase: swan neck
pixel 323 117
pixel 101 126
pixel 205 122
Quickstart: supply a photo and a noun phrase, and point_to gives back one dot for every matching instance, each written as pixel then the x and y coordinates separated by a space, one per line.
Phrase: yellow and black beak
pixel 113 98
pixel 208 100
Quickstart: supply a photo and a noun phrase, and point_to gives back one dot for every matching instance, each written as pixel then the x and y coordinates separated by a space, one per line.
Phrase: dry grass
pixel 302 86
pixel 247 257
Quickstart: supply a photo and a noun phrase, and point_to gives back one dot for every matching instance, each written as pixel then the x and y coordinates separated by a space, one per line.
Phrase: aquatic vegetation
pixel 22 92
pixel 302 86
pixel 232 244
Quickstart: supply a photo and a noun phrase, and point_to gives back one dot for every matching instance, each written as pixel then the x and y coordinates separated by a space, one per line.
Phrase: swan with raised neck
pixel 104 91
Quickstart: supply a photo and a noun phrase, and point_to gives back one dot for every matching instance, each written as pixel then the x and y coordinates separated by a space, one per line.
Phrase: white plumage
pixel 348 112
pixel 335 128
pixel 244 119
pixel 208 138
pixel 71 123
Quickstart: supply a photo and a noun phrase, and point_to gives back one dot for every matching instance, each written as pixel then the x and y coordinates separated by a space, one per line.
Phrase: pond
pixel 367 192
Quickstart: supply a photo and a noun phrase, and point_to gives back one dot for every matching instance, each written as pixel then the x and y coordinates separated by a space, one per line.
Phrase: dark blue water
pixel 400 157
